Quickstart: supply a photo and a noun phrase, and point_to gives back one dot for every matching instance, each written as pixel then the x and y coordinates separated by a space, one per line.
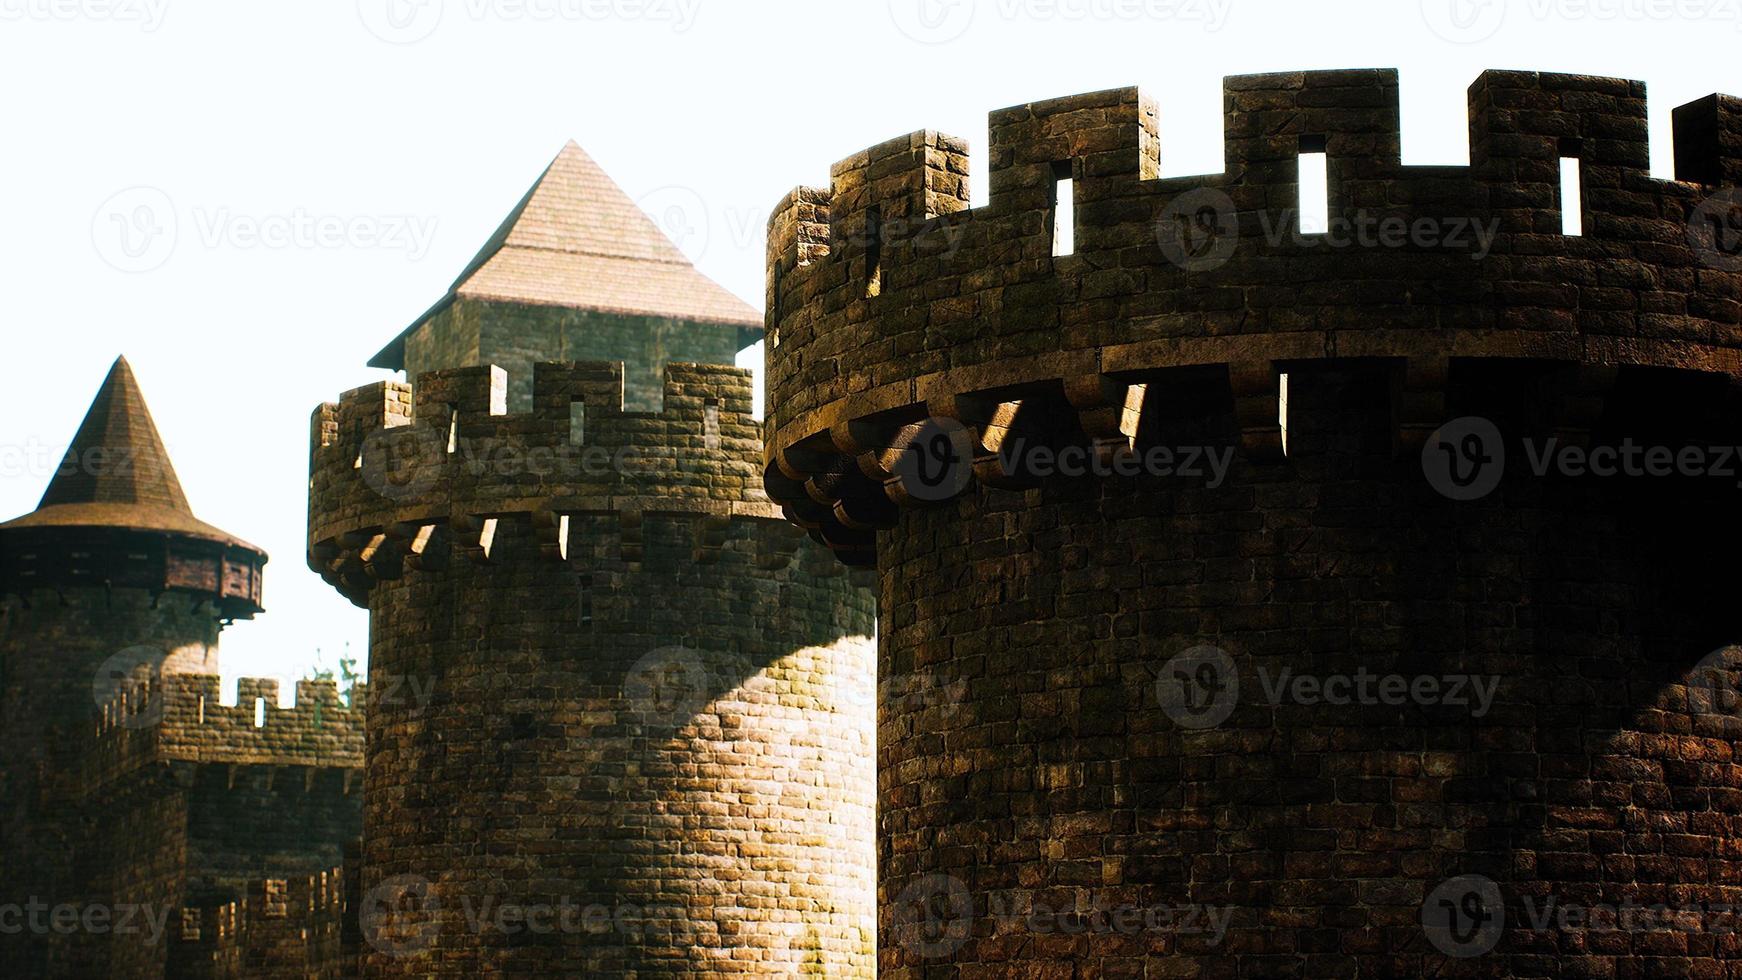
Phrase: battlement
pixel 180 719
pixel 400 473
pixel 890 300
pixel 279 927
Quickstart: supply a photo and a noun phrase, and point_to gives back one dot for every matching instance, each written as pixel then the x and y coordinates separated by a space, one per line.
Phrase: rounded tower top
pixel 115 515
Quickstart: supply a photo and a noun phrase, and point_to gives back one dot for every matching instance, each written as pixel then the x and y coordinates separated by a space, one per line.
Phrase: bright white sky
pixel 414 125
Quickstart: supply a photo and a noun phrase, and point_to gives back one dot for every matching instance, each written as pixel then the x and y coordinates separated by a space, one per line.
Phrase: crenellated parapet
pixel 275 927
pixel 891 301
pixel 410 477
pixel 180 720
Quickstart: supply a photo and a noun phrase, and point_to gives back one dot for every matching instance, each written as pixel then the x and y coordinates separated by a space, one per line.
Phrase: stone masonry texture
pixel 1058 774
pixel 184 837
pixel 632 709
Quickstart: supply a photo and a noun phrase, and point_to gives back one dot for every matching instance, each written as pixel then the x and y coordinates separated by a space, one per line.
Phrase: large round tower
pixel 621 713
pixel 616 700
pixel 1347 601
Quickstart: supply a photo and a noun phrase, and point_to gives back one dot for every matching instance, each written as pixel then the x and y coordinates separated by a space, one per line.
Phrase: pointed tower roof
pixel 116 473
pixel 577 240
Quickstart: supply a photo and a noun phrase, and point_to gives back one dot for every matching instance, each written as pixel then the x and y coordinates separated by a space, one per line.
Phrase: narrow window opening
pixel 711 425
pixel 586 600
pixel 1282 410
pixel 577 423
pixel 873 251
pixel 1315 186
pixel 259 712
pixel 1064 202
pixel 1572 198
pixel 453 429
pixel 202 709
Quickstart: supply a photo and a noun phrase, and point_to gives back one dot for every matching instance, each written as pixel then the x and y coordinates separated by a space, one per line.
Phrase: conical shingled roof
pixel 577 240
pixel 117 474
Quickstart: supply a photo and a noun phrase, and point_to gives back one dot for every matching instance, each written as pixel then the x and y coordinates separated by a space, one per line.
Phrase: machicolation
pixel 1129 636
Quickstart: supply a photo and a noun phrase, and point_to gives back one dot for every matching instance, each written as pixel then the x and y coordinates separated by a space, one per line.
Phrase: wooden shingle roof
pixel 117 474
pixel 576 240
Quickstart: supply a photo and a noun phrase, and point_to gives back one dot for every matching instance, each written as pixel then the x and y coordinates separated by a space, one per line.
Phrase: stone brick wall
pixel 272 928
pixel 1061 782
pixel 515 336
pixel 631 704
pixel 134 788
pixel 61 847
pixel 1063 778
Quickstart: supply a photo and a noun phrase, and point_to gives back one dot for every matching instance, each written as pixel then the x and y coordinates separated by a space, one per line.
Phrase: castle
pixel 1176 591
pixel 150 829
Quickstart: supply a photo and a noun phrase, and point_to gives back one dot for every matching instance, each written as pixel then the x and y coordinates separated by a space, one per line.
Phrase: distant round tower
pixel 108 586
pixel 1282 651
pixel 621 714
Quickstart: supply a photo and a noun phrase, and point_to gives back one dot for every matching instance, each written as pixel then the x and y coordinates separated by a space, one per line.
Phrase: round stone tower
pixel 110 584
pixel 621 713
pixel 1352 601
